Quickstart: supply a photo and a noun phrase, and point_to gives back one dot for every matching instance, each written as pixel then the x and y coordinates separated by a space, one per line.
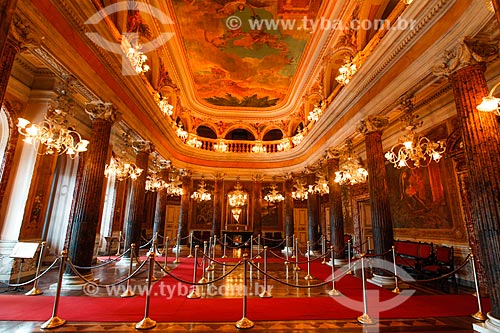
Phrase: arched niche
pixel 206 131
pixel 273 135
pixel 240 134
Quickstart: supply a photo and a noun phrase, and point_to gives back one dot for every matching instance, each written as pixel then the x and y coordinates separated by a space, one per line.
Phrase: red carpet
pixel 179 308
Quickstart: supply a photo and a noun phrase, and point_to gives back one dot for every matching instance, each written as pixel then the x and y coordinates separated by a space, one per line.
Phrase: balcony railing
pixel 243 146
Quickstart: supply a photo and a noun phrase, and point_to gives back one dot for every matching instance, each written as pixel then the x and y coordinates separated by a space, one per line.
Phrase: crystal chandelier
pixel 321 186
pixel 180 132
pixel 122 170
pixel 237 197
pixel 283 145
pixel 316 113
pixel 273 195
pixel 297 138
pixel 164 105
pixel 137 58
pixel 259 148
pixel 220 146
pixel 174 187
pixel 194 142
pixel 301 192
pixel 52 136
pixel 202 193
pixel 154 183
pixel 347 70
pixel 413 150
pixel 350 172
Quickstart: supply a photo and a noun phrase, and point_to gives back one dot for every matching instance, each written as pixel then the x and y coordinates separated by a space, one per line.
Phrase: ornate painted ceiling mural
pixel 244 53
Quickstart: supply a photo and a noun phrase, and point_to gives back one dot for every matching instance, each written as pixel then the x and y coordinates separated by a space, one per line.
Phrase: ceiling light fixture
pixel 413 150
pixel 121 170
pixel 237 197
pixel 350 172
pixel 300 192
pixel 52 136
pixel 347 70
pixel 136 57
pixel 164 105
pixel 490 103
pixel 202 193
pixel 273 195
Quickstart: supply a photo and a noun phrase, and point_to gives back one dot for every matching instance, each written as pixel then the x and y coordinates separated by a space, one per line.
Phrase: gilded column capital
pixel 470 51
pixel 373 124
pixel 333 153
pixel 258 177
pixel 22 34
pixel 101 110
pixel 219 176
pixel 142 146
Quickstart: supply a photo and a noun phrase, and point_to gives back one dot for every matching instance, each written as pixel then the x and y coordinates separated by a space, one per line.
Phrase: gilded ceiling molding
pixel 100 110
pixel 333 153
pixel 468 52
pixel 433 13
pixel 23 33
pixel 373 124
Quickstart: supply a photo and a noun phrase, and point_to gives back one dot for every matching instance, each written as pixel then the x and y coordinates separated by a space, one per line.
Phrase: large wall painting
pixel 235 59
pixel 419 197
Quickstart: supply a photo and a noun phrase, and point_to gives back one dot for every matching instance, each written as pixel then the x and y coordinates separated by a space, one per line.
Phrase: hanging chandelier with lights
pixel 53 136
pixel 414 150
pixel 297 138
pixel 164 105
pixel 259 148
pixel 321 186
pixel 136 57
pixel 220 146
pixel 300 192
pixel 346 71
pixel 202 193
pixel 174 186
pixel 237 197
pixel 273 195
pixel 155 183
pixel 122 170
pixel 350 170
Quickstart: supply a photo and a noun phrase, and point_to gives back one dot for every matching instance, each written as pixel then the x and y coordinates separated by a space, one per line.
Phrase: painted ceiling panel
pixel 244 53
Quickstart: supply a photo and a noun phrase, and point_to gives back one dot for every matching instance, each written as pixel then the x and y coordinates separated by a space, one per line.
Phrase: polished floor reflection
pixel 232 287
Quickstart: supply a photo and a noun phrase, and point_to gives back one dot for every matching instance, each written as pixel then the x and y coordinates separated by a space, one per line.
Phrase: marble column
pixel 257 205
pixel 218 200
pixel 87 210
pixel 481 141
pixel 182 229
pixel 335 204
pixel 313 225
pixel 7 9
pixel 288 202
pixel 137 205
pixel 383 237
pixel 161 207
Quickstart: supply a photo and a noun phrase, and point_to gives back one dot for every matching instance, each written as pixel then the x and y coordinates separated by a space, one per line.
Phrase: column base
pixel 491 325
pixel 386 282
pixel 71 282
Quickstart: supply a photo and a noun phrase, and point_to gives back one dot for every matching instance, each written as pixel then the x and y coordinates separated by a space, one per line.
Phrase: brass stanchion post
pixel 147 323
pixel 55 321
pixel 286 249
pixel 244 322
pixel 296 268
pixel 129 292
pixel 177 249
pixel 190 245
pixel 165 250
pixel 365 318
pixel 203 278
pixel 479 315
pixel 35 291
pixel 208 251
pixel 224 245
pixel 154 249
pixel 258 247
pixel 251 247
pixel 333 292
pixel 293 246
pixel 396 288
pixel 369 244
pixel 323 249
pixel 308 276
pixel 194 292
pixel 265 293
pixel 349 256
